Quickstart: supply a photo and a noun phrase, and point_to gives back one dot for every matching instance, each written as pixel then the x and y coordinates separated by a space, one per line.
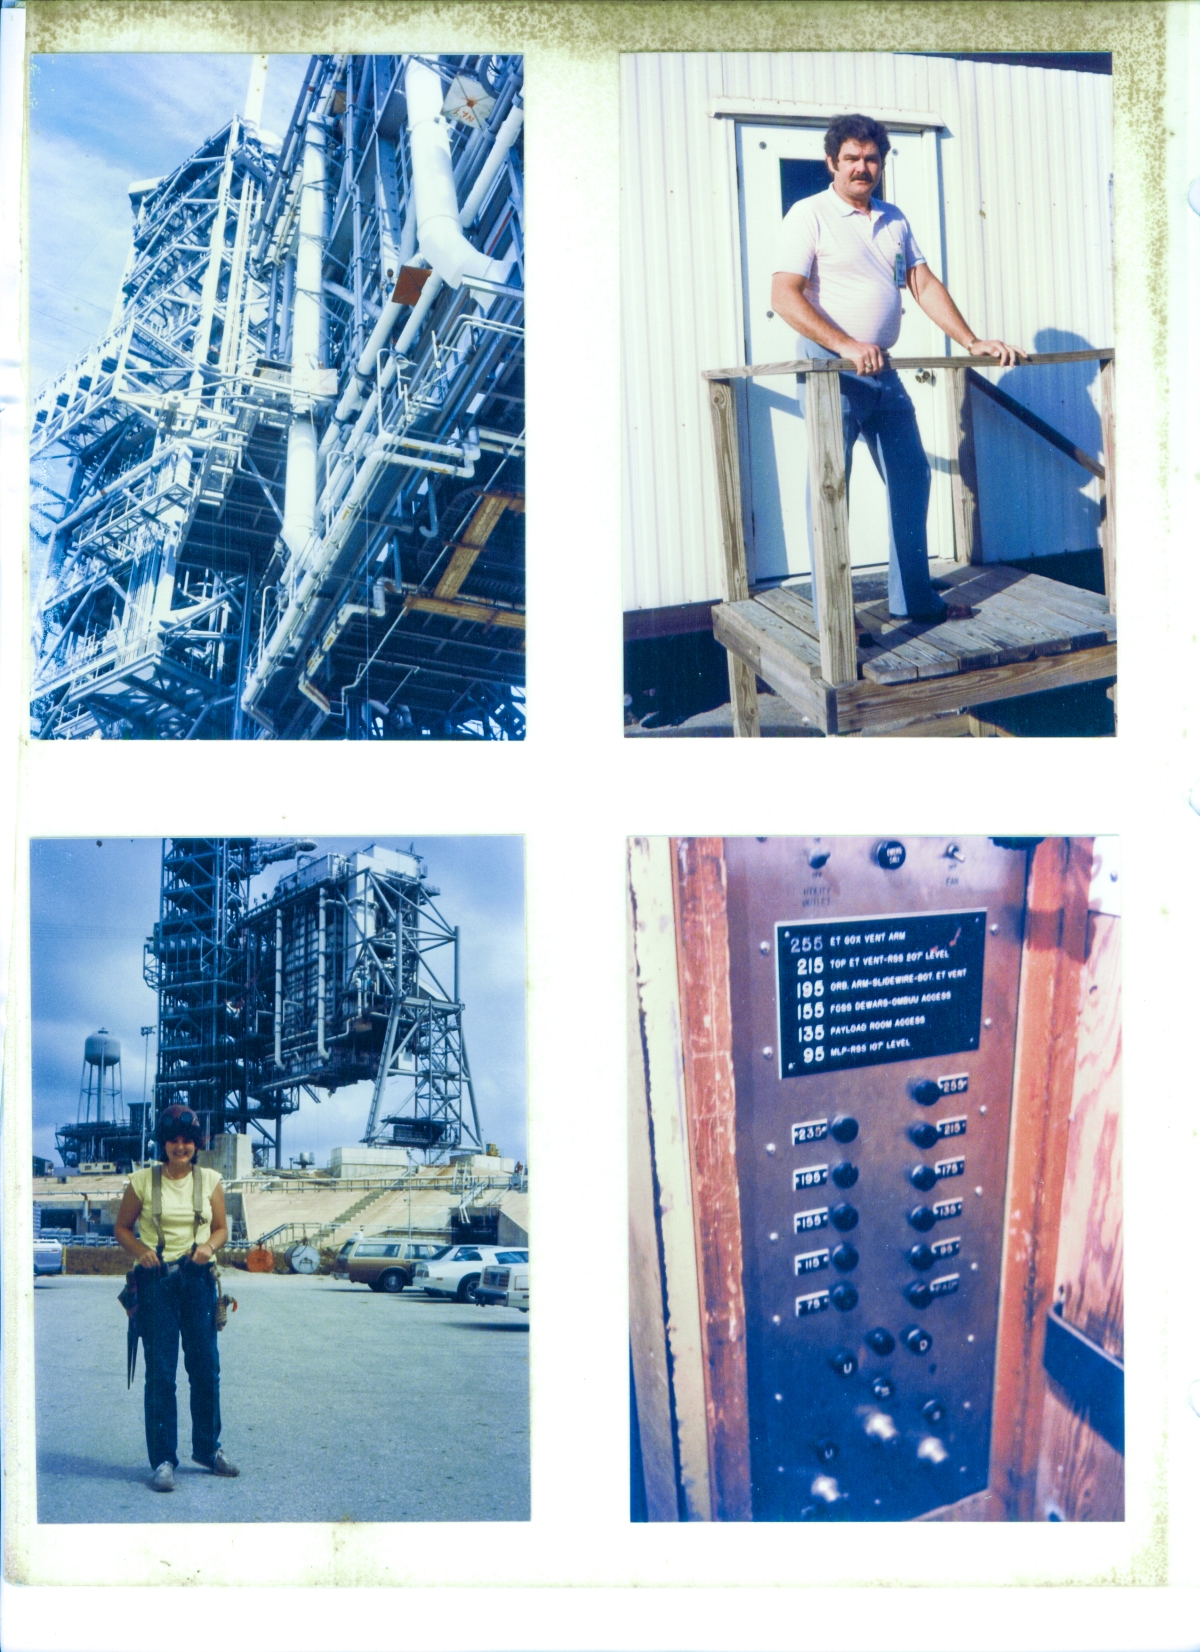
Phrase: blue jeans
pixel 880 411
pixel 180 1304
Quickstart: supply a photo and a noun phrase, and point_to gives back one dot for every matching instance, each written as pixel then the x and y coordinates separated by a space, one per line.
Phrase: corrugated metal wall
pixel 1026 170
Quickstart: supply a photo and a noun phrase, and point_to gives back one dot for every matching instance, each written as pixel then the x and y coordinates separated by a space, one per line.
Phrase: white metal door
pixel 777 166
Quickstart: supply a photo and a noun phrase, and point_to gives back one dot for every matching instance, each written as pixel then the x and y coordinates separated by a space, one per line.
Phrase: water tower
pixel 100 1098
pixel 103 1132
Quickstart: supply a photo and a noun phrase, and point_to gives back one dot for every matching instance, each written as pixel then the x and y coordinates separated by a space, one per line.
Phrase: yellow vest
pixel 179 1229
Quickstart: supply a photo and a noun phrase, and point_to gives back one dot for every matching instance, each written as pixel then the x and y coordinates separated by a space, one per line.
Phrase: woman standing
pixel 180 1213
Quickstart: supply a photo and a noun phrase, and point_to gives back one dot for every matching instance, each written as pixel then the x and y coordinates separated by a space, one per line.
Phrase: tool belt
pixel 128 1297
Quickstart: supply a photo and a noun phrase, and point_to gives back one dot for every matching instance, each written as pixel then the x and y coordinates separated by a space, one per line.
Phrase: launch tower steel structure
pixel 345 972
pixel 283 495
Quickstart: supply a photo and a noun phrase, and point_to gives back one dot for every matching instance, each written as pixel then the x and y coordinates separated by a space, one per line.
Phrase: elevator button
pixel 844 1297
pixel 917 1340
pixel 890 856
pixel 843 1363
pixel 844 1217
pixel 844 1174
pixel 880 1341
pixel 923 1177
pixel 934 1412
pixel 844 1128
pixel 881 1427
pixel 883 1388
pixel 845 1258
pixel 923 1134
pixel 918 1293
pixel 922 1257
pixel 931 1450
pixel 925 1091
pixel 922 1218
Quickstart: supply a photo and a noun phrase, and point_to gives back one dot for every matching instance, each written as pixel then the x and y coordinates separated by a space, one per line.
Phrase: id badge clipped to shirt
pixel 899 270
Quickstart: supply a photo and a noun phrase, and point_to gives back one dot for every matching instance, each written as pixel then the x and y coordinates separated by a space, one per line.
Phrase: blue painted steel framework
pixel 346 972
pixel 175 603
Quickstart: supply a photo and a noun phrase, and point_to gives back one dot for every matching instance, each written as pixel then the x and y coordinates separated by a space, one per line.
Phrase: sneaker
pixel 220 1465
pixel 163 1478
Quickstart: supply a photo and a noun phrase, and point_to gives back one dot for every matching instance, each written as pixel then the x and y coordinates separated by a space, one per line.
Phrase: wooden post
pixel 656 983
pixel 1108 494
pixel 1052 965
pixel 706 1027
pixel 832 585
pixel 743 689
pixel 964 482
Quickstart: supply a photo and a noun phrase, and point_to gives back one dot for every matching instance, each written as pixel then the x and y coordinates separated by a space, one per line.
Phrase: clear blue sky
pixel 93 905
pixel 83 157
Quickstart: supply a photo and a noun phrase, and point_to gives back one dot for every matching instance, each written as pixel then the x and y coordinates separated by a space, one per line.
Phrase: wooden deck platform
pixel 859 671
pixel 1026 633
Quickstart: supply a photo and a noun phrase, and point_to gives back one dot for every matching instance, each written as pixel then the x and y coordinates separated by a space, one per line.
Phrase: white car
pixel 504 1284
pixel 47 1256
pixel 457 1273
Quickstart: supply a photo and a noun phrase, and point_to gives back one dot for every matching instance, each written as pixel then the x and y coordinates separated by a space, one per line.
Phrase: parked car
pixel 383 1264
pixel 456 1272
pixel 504 1286
pixel 47 1256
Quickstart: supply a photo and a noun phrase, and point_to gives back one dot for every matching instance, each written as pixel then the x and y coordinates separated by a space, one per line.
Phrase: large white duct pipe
pixel 300 495
pixel 310 259
pixel 439 232
pixel 300 485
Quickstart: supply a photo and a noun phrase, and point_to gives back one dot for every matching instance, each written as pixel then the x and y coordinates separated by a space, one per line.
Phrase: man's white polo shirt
pixel 855 264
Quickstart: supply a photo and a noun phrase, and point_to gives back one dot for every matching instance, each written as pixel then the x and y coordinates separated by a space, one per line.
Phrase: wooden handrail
pixel 1047 358
pixel 831 571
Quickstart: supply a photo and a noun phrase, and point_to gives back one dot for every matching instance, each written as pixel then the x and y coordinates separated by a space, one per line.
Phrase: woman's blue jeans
pixel 878 409
pixel 179 1304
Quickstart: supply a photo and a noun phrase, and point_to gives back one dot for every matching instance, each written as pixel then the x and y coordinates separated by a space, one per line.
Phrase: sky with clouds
pixel 83 155
pixel 94 903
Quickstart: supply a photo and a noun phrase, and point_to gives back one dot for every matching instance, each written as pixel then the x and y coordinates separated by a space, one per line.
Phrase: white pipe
pixel 279 986
pixel 310 257
pixel 439 233
pixel 322 1052
pixel 300 491
pixel 352 396
pixel 300 485
pixel 310 581
pixel 505 138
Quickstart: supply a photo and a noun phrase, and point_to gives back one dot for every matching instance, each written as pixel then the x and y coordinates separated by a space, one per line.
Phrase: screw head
pixel 764 946
pixel 768 1052
pixel 770 1147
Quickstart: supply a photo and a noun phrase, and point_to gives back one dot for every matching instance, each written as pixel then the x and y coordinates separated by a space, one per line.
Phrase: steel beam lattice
pixel 283 496
pixel 346 972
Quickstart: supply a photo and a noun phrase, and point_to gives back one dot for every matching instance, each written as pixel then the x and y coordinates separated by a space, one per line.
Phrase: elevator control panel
pixel 874 991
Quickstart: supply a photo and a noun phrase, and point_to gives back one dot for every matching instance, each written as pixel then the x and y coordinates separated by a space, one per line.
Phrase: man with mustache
pixel 844 260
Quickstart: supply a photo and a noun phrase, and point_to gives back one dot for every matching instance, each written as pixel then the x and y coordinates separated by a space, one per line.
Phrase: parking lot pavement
pixel 337 1403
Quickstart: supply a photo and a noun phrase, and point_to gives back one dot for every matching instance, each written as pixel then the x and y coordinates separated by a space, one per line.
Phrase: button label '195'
pixel 813 1175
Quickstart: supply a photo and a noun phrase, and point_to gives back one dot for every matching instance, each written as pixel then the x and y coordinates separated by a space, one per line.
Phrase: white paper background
pixel 578 1575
